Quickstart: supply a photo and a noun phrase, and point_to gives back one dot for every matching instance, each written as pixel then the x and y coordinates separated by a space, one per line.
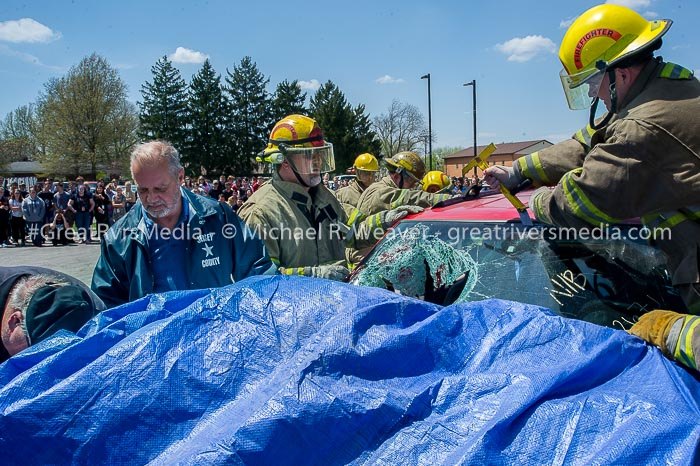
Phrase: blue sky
pixel 375 51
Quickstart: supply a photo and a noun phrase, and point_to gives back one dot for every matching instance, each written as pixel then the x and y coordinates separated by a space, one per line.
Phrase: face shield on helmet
pixel 309 160
pixel 581 88
pixel 299 140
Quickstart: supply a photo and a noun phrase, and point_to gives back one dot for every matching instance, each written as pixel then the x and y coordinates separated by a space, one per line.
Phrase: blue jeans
pixel 82 222
pixel 35 232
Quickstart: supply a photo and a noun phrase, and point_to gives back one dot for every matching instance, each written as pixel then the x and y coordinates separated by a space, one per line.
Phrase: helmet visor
pixel 581 88
pixel 311 160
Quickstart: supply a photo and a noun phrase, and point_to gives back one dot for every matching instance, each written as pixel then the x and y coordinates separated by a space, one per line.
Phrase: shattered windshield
pixel 607 280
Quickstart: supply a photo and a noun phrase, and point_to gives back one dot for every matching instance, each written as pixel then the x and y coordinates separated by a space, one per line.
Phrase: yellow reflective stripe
pixel 522 165
pixel 292 270
pixel 399 200
pixel 671 218
pixel 531 167
pixel 684 348
pixel 579 203
pixel 275 261
pixel 538 209
pixel 666 71
pixel 584 135
pixel 673 71
pixel 355 215
pixel 441 197
pixel 538 168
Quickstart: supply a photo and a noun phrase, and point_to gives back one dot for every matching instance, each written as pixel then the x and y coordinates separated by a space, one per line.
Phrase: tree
pixel 122 137
pixel 80 115
pixel 439 156
pixel 249 115
pixel 401 129
pixel 207 110
pixel 18 138
pixel 346 127
pixel 367 140
pixel 163 112
pixel 288 99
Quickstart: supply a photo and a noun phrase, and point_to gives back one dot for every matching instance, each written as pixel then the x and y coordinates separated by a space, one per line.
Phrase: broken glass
pixel 609 281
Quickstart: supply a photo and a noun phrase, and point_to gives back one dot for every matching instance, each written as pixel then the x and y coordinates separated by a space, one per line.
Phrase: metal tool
pixel 481 161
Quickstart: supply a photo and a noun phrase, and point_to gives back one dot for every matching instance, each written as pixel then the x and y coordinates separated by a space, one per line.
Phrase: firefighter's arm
pixel 677 335
pixel 546 167
pixel 591 195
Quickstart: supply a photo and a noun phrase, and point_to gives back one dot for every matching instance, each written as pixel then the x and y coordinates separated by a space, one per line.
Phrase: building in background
pixel 506 153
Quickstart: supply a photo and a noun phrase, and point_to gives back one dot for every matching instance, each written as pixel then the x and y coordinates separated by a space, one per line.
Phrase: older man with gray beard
pixel 173 239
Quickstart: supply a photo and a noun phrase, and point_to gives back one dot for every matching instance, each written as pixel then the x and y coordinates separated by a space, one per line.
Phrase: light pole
pixel 430 124
pixel 473 84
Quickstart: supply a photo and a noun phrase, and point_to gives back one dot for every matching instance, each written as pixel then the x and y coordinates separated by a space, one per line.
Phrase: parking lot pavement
pixel 77 260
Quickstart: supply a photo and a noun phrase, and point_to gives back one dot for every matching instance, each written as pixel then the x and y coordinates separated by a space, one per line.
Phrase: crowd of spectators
pixel 63 212
pixel 58 212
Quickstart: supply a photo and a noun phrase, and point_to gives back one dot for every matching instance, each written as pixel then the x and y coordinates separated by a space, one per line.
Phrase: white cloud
pixel 634 4
pixel 26 30
pixel 185 55
pixel 650 14
pixel 312 85
pixel 565 23
pixel 522 49
pixel 386 79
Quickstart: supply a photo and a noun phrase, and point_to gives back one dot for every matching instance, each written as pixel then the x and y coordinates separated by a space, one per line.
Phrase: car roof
pixel 492 207
pixel 488 207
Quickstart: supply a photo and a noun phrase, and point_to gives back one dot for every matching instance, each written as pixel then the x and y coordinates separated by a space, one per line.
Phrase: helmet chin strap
pixel 296 174
pixel 400 172
pixel 613 104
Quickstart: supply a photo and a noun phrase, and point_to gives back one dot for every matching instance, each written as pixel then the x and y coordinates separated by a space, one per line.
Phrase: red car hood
pixel 489 207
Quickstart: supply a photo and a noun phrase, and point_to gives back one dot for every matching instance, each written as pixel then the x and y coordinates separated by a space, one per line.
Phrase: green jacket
pixel 123 272
pixel 644 163
pixel 385 195
pixel 299 228
pixel 349 196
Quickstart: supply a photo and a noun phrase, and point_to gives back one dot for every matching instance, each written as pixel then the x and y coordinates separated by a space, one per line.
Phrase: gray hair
pixel 23 292
pixel 154 153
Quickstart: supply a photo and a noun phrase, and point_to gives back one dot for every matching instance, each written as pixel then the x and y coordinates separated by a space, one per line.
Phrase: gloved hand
pixel 329 272
pixel 389 217
pixel 654 328
pixel 499 174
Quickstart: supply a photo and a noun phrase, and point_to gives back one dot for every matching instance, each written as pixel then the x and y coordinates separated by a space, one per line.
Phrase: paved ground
pixel 77 260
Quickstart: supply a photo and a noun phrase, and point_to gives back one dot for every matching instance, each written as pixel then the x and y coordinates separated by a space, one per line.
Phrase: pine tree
pixel 288 99
pixel 163 112
pixel 249 114
pixel 206 145
pixel 366 138
pixel 346 127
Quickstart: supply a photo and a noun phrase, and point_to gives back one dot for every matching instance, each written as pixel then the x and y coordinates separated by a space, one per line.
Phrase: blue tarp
pixel 283 370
